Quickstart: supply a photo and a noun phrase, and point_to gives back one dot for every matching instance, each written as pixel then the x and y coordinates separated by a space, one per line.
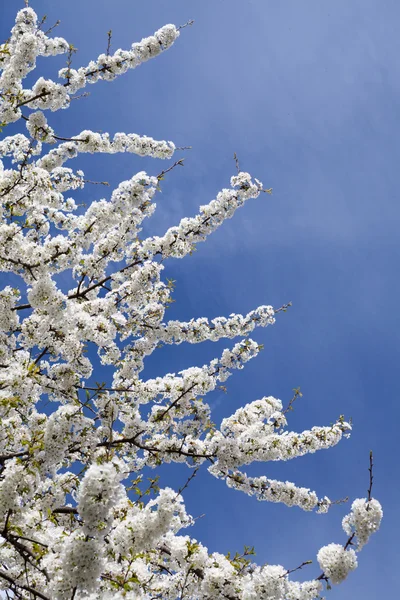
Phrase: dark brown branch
pixel 4 457
pixel 23 587
pixel 65 510
pixel 21 537
pixel 40 356
pixel 37 97
pixel 349 541
pixel 22 307
pixel 26 553
pixel 153 449
pixel 371 477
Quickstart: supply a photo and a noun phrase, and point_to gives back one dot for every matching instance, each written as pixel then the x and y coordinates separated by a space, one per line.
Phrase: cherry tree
pixel 70 525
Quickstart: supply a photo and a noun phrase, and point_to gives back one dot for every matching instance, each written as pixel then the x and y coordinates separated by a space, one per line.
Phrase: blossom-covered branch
pixel 75 523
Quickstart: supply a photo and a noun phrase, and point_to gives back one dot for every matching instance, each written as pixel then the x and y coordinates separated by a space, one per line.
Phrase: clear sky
pixel 307 94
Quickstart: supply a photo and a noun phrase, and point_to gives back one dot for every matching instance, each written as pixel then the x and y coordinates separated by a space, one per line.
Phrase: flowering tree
pixel 68 526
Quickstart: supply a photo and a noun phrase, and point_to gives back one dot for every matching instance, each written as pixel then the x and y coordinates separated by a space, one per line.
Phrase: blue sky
pixel 307 94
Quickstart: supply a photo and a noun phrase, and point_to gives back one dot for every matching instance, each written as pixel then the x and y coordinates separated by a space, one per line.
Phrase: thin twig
pixel 283 308
pixel 192 476
pixel 177 163
pixel 307 562
pixel 371 477
pixel 236 162
pixel 351 538
pixel 109 36
pixel 71 51
pixel 340 501
pixel 297 394
pixel 96 182
pixel 56 24
pixel 187 24
pixel 79 96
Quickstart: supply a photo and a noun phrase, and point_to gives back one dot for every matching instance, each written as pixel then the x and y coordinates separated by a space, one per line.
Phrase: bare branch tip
pixel 109 36
pixel 187 24
pixel 283 308
pixel 371 477
pixel 178 163
pixel 235 158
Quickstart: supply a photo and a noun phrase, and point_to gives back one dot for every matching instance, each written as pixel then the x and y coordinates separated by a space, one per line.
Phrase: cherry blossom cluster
pixel 92 142
pixel 18 58
pixel 199 330
pixel 76 521
pixel 363 520
pixel 27 41
pixel 181 240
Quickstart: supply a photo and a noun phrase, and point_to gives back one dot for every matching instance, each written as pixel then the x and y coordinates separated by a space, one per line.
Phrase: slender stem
pixel 371 477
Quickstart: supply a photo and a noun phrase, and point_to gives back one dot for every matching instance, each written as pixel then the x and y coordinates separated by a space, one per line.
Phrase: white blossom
pixel 337 562
pixel 364 519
